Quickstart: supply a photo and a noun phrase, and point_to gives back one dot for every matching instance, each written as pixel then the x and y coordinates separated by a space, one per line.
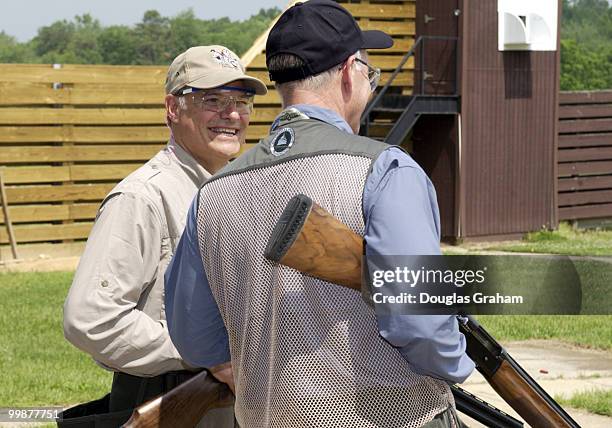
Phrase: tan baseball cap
pixel 207 67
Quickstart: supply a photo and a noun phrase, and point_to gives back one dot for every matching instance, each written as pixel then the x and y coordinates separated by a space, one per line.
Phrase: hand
pixel 223 373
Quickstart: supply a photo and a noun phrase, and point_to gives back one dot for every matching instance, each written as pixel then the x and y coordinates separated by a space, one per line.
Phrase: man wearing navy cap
pixel 306 353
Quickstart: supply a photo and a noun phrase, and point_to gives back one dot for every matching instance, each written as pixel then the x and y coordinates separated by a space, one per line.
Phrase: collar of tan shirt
pixel 197 173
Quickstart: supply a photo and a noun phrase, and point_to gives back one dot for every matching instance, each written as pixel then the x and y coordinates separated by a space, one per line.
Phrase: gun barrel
pixel 510 380
pixel 482 411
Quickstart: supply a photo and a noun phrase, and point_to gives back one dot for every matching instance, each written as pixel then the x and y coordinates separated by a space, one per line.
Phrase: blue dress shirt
pixel 401 217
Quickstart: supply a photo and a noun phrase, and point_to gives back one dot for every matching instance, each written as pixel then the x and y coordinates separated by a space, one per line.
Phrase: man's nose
pixel 229 111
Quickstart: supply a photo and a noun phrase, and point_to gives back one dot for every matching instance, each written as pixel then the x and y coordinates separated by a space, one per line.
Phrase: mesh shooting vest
pixel 305 353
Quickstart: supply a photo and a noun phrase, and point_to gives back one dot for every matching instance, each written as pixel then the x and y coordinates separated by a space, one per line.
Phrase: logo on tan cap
pixel 225 57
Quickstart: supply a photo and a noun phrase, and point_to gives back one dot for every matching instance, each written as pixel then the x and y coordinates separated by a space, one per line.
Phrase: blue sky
pixel 21 18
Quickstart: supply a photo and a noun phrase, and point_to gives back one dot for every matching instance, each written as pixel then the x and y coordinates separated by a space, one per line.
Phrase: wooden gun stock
pixel 309 239
pixel 183 406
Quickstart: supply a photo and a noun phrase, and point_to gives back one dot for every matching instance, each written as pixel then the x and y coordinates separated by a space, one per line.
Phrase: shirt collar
pixel 319 113
pixel 196 171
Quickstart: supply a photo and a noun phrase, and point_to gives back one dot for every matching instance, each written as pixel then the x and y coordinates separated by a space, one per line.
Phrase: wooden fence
pixel 69 133
pixel 585 155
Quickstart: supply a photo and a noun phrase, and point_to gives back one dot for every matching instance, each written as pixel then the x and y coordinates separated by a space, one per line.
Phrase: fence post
pixel 7 218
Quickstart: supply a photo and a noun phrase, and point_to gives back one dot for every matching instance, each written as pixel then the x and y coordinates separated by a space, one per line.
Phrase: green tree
pixel 117 45
pixel 69 42
pixel 583 69
pixel 153 39
pixel 586 45
pixel 12 51
pixel 54 38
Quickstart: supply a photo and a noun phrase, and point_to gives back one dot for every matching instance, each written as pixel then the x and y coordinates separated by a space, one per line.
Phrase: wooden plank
pixel 43 154
pixel 27 134
pixel 51 232
pixel 30 93
pixel 271 97
pixel 36 250
pixel 115 135
pixel 115 172
pixel 55 174
pixel 585 183
pixel 20 93
pixel 117 95
pixel 586 125
pixel 43 93
pixel 583 198
pixel 405 79
pixel 585 111
pixel 82 116
pixel 384 62
pixel 393 28
pixel 66 192
pixel 578 155
pixel 585 140
pixel 585 211
pixel 36 174
pixel 83 134
pixel 89 74
pixel 255 132
pixel 374 11
pixel 401 45
pixel 99 116
pixel 266 115
pixel 585 97
pixel 585 168
pixel 46 213
pixel 118 134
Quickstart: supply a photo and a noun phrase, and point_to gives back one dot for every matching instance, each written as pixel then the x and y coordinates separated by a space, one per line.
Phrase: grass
pixel 565 240
pixel 588 331
pixel 38 366
pixel 596 401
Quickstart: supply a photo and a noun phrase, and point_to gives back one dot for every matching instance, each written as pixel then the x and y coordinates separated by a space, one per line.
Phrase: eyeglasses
pixel 373 74
pixel 216 100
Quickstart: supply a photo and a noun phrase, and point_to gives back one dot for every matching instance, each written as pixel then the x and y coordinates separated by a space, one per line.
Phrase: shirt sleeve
pixel 120 261
pixel 194 321
pixel 402 218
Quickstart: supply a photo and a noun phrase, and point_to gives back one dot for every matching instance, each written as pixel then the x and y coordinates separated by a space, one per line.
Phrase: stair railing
pixel 365 117
pixel 420 42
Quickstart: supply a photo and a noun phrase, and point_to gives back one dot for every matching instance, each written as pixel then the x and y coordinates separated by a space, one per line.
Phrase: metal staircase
pixel 390 117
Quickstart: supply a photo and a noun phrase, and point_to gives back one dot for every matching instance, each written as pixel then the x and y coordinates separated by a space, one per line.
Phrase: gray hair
pixel 310 83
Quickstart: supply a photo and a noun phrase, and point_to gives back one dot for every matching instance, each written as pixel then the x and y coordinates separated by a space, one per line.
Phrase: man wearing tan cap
pixel 114 310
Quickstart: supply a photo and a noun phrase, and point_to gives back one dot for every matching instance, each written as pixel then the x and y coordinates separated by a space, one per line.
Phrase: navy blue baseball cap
pixel 323 34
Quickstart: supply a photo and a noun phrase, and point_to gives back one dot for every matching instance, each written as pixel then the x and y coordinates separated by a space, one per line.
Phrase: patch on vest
pixel 290 115
pixel 282 141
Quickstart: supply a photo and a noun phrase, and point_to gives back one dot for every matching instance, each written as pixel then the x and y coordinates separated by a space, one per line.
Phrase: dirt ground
pixel 40 264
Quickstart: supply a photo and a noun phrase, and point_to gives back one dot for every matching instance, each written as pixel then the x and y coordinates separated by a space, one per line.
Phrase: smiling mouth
pixel 225 131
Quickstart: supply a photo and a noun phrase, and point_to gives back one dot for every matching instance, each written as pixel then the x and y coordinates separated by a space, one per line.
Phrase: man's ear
pixel 346 77
pixel 172 108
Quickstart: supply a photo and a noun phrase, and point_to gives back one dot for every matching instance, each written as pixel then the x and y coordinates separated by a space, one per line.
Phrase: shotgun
pixel 183 406
pixel 309 239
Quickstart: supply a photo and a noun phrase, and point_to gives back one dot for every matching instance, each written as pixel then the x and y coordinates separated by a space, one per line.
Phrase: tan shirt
pixel 115 307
